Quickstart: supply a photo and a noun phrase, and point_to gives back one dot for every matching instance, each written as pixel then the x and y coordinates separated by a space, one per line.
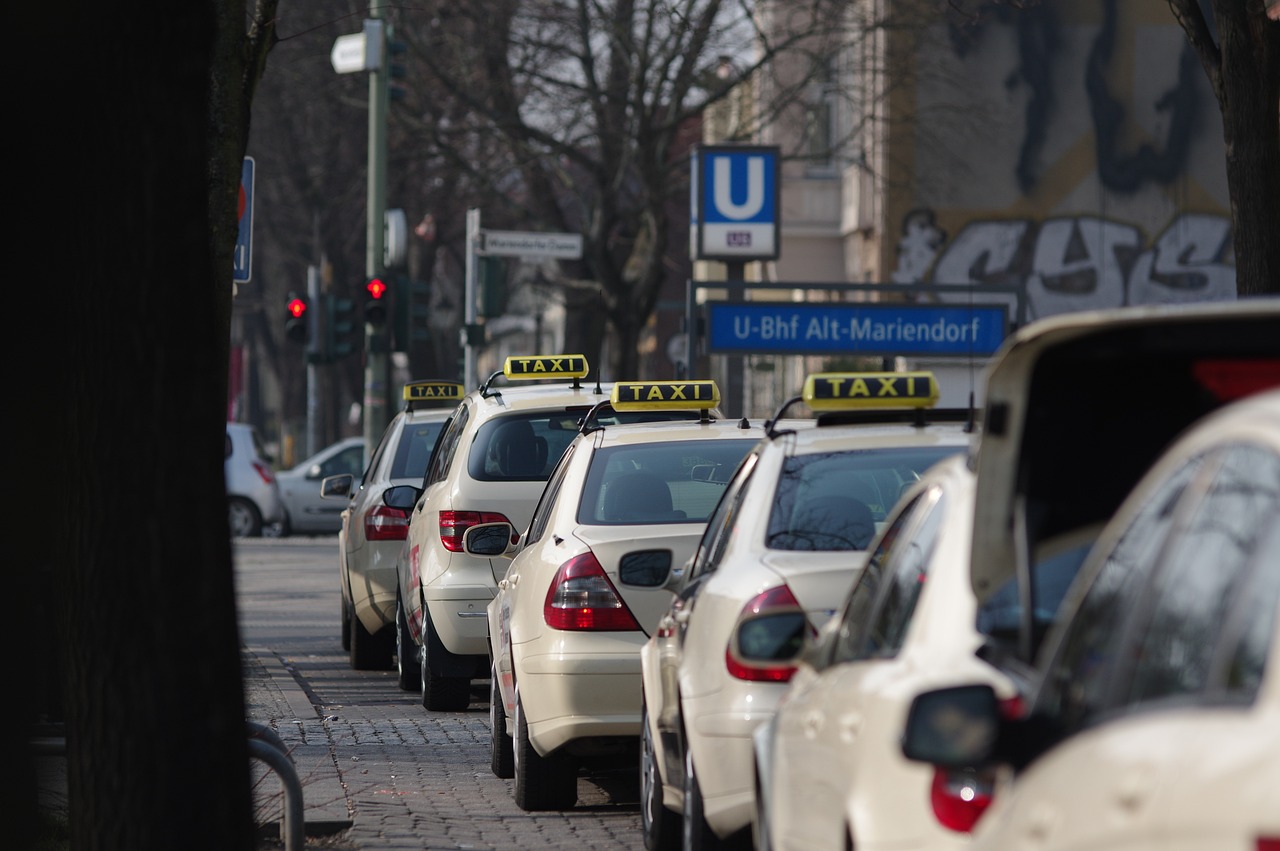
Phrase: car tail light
pixel 769 633
pixel 454 524
pixel 264 471
pixel 581 597
pixel 1267 843
pixel 384 523
pixel 959 798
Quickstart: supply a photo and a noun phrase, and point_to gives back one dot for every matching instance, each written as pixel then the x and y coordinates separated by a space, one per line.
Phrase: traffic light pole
pixel 314 346
pixel 376 345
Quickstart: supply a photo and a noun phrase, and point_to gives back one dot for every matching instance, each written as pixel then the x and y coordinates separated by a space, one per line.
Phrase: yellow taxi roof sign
pixel 546 366
pixel 842 391
pixel 433 391
pixel 664 395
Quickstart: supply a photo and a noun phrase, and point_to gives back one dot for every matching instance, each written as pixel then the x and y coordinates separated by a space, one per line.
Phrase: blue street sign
pixel 861 329
pixel 735 208
pixel 242 263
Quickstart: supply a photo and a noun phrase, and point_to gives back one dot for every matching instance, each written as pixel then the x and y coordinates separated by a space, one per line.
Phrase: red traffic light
pixel 376 288
pixel 296 307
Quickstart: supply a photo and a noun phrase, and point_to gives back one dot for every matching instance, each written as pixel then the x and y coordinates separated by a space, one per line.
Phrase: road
pixel 377 770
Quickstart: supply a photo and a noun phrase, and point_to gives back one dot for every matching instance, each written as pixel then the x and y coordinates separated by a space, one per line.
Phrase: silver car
pixel 253 495
pixel 306 511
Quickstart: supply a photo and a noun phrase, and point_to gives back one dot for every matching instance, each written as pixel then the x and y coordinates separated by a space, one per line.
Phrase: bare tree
pixel 134 578
pixel 1239 49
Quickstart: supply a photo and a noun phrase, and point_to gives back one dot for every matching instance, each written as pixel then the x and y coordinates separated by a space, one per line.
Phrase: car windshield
pixel 838 500
pixel 668 482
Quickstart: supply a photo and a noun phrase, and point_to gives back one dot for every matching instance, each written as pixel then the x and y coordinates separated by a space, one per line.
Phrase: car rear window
pixel 414 450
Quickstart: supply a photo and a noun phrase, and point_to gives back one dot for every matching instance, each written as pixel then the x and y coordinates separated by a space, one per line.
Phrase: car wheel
pixel 369 651
pixel 408 668
pixel 440 694
pixel 697 835
pixel 661 826
pixel 346 625
pixel 243 517
pixel 501 750
pixel 542 782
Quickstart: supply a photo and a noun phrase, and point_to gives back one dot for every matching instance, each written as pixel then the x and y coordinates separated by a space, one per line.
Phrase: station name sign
pixel 871 329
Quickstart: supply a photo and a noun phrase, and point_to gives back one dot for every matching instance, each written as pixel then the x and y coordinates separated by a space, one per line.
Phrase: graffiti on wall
pixel 1072 263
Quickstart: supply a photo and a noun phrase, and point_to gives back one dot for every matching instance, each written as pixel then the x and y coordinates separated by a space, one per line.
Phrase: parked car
pixel 306 511
pixel 777 559
pixel 490 466
pixel 584 588
pixel 1155 722
pixel 371 533
pixel 829 770
pixel 253 495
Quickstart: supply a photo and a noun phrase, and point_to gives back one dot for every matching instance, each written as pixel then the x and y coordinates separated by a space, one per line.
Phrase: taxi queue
pixel 754 613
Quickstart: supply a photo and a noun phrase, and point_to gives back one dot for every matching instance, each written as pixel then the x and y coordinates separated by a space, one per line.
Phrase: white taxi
pixel 490 466
pixel 372 533
pixel 778 557
pixel 585 587
pixel 829 769
pixel 1156 723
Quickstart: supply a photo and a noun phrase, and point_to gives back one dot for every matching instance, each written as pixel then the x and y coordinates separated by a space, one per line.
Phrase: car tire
pixel 244 518
pixel 541 782
pixel 696 834
pixel 346 626
pixel 502 757
pixel 408 668
pixel 440 694
pixel 660 826
pixel 369 651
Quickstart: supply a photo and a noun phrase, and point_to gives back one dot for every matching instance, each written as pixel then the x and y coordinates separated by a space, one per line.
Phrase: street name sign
pixel 856 329
pixel 242 260
pixel 509 243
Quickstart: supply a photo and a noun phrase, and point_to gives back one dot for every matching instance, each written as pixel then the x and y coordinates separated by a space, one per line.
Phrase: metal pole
pixel 375 363
pixel 469 377
pixel 735 275
pixel 313 369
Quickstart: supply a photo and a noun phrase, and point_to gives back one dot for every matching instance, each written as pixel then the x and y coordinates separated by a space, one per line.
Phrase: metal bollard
pixel 266 745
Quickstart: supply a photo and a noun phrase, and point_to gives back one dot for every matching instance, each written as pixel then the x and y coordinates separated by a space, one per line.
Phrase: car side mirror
pixel 646 568
pixel 337 487
pixel 402 497
pixel 488 539
pixel 954 727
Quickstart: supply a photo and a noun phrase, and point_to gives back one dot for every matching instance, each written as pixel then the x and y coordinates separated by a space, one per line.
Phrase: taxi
pixel 371 533
pixel 584 588
pixel 778 557
pixel 829 770
pixel 490 466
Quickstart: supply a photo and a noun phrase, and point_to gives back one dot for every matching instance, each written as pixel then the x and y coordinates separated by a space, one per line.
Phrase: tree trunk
pixel 136 509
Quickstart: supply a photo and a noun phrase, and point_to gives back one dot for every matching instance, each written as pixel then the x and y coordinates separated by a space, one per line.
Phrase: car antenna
pixel 769 424
pixel 484 387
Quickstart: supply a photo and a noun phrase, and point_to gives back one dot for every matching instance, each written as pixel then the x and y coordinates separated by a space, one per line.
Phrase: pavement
pixel 380 772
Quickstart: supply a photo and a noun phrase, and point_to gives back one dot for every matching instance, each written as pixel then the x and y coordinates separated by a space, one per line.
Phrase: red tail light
pixel 384 523
pixel 581 597
pixel 454 524
pixel 1268 843
pixel 769 633
pixel 959 798
pixel 264 471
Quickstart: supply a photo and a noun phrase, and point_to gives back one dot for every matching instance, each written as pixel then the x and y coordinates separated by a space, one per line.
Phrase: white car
pixel 253 494
pixel 372 533
pixel 778 557
pixel 585 589
pixel 1156 722
pixel 829 770
pixel 490 467
pixel 306 510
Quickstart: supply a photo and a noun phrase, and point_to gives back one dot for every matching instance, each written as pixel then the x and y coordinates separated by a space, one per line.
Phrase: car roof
pixel 1079 405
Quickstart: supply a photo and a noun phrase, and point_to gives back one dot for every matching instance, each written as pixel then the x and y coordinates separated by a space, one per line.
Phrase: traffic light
pixel 342 335
pixel 491 275
pixel 296 319
pixel 395 70
pixel 375 306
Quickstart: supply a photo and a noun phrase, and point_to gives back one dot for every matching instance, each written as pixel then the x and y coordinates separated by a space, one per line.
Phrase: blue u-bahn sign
pixel 735 209
pixel 864 329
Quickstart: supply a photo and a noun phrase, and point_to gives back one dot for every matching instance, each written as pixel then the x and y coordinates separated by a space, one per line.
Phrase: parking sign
pixel 735 211
pixel 242 263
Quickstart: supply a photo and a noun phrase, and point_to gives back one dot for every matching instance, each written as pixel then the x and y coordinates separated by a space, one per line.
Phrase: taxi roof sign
pixel 843 391
pixel 664 395
pixel 546 366
pixel 432 391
